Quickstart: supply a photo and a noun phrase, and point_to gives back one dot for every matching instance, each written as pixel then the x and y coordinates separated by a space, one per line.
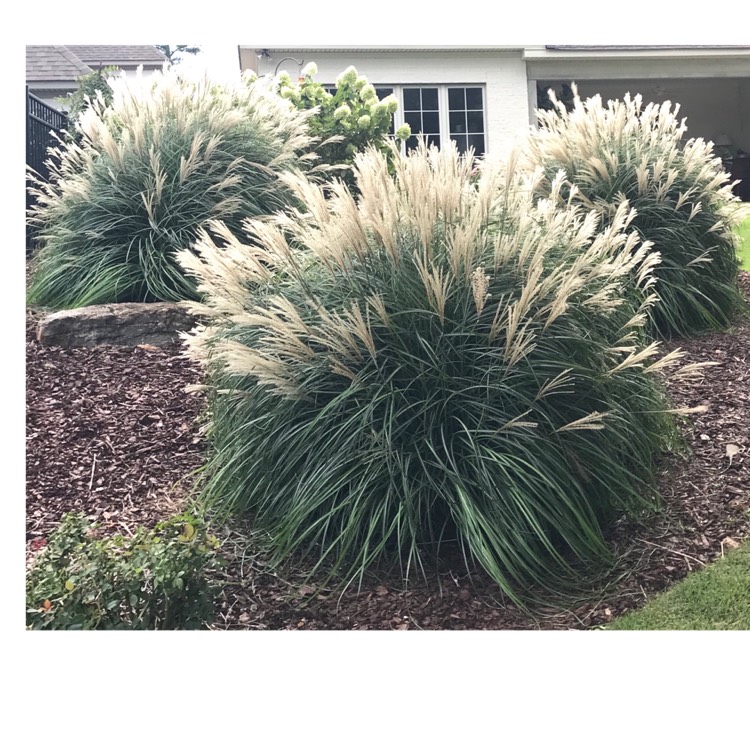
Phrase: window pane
pixel 414 120
pixel 456 99
pixel 411 142
pixel 431 122
pixel 477 141
pixel 433 140
pixel 457 122
pixel 429 99
pixel 475 122
pixel 411 99
pixel 474 98
pixel 460 142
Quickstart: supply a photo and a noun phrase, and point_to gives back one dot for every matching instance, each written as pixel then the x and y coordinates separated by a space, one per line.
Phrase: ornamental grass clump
pixel 437 362
pixel 682 197
pixel 168 155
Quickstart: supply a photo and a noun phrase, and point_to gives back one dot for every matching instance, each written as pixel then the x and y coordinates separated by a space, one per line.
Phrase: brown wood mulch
pixel 111 433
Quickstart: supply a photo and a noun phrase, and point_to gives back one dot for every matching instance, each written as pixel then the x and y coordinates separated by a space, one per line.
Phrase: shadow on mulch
pixel 110 432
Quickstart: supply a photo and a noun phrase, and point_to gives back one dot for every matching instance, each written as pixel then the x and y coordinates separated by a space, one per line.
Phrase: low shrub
pixel 156 579
pixel 682 197
pixel 439 361
pixel 168 155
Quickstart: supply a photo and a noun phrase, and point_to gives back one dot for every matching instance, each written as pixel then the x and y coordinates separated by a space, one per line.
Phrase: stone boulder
pixel 123 324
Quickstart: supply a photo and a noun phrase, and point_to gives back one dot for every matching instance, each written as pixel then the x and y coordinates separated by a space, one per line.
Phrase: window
pixel 444 113
pixel 421 111
pixel 466 118
pixel 440 113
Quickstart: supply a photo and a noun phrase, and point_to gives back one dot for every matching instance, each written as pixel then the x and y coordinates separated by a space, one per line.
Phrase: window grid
pixel 466 118
pixel 451 99
pixel 447 111
pixel 421 111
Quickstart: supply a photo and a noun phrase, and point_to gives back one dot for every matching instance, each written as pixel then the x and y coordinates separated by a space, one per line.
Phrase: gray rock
pixel 124 324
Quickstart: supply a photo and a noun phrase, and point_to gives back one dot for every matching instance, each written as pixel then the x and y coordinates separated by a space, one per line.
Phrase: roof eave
pixel 386 48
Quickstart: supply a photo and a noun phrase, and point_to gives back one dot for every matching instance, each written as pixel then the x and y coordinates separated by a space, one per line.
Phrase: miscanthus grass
pixel 168 155
pixel 436 362
pixel 625 150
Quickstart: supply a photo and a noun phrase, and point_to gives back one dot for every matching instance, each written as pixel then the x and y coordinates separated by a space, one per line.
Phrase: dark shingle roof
pixel 53 63
pixel 68 62
pixel 93 54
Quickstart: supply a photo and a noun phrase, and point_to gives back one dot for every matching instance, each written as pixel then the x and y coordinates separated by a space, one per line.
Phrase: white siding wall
pixel 502 73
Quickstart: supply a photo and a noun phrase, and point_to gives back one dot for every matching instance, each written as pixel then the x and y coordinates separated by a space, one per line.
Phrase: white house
pixel 486 96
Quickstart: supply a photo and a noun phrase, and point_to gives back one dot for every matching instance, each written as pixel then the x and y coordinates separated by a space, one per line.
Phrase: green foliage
pixel 154 580
pixel 678 188
pixel 714 598
pixel 168 156
pixel 440 361
pixel 346 122
pixel 174 54
pixel 90 86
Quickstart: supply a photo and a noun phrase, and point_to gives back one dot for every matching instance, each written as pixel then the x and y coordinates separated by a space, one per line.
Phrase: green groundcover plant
pixel 168 155
pixel 346 121
pixel 157 579
pixel 440 361
pixel 682 197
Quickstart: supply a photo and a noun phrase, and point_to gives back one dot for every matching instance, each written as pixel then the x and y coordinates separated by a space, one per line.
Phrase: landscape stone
pixel 122 324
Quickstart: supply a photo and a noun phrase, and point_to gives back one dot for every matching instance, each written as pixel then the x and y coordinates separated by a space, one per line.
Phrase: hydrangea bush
pixel 347 121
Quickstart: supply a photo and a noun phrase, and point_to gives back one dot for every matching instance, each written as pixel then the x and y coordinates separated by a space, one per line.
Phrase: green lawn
pixel 744 232
pixel 714 598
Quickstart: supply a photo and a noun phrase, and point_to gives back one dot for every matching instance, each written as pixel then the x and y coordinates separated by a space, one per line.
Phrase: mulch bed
pixel 111 433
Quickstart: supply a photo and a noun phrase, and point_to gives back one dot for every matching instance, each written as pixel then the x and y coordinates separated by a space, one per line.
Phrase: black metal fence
pixel 41 120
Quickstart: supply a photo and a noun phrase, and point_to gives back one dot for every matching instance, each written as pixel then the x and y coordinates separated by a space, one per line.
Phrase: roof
pixel 628 51
pixel 66 63
pixel 644 47
pixel 111 53
pixel 532 52
pixel 53 63
pixel 387 48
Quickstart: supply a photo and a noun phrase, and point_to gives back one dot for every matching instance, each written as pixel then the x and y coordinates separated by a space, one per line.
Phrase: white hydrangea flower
pixel 368 92
pixel 348 76
pixel 364 121
pixel 310 69
pixel 342 112
pixel 403 132
pixel 391 103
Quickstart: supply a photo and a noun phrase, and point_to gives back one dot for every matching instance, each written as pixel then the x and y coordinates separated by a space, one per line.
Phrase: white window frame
pixel 398 91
